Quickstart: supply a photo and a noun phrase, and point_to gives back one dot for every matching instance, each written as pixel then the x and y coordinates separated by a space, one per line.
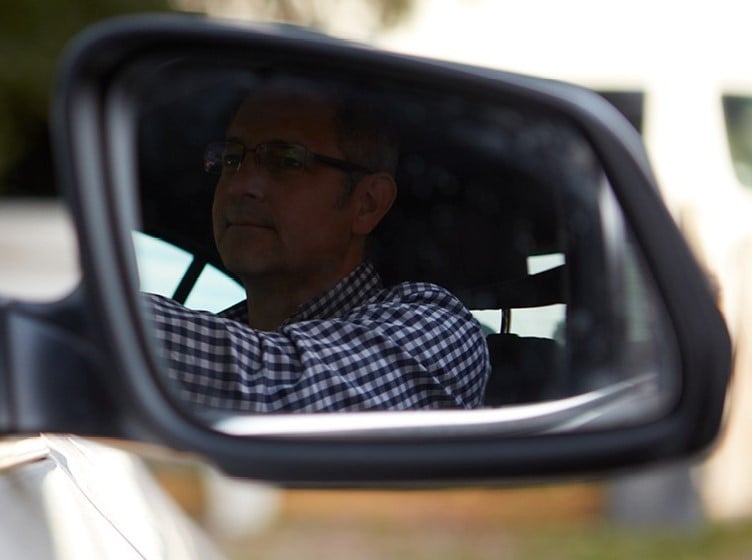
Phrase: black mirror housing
pixel 103 76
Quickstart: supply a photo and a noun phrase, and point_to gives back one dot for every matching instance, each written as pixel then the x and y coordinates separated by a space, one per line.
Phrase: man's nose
pixel 249 179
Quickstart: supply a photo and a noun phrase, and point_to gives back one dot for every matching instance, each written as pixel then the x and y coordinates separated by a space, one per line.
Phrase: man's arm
pixel 416 351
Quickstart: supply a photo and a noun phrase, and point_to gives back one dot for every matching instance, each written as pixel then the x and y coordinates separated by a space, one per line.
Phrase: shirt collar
pixel 353 290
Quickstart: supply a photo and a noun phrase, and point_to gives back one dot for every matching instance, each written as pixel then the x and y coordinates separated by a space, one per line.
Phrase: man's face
pixel 272 222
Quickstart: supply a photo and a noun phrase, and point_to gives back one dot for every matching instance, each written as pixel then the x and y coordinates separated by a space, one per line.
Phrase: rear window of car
pixel 162 266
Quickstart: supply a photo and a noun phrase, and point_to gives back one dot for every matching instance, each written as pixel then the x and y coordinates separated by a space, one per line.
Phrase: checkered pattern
pixel 357 347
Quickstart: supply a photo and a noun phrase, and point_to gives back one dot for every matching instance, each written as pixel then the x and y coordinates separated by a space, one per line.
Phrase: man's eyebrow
pixel 270 141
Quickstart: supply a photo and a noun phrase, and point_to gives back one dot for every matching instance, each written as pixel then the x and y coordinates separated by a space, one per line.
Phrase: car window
pixel 162 266
pixel 545 321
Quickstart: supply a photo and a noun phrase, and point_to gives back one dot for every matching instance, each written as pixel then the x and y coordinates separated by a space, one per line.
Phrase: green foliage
pixel 611 543
pixel 33 34
pixel 312 13
pixel 486 539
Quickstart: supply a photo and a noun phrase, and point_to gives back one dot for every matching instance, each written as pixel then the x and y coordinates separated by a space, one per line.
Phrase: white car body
pixel 69 498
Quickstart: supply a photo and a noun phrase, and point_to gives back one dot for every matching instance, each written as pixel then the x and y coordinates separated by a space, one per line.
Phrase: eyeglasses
pixel 272 156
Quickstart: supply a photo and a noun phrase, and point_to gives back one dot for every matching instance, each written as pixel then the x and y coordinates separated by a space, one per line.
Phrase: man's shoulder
pixel 236 312
pixel 417 287
pixel 415 292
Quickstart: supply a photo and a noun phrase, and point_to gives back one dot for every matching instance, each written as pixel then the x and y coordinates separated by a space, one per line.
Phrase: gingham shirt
pixel 358 346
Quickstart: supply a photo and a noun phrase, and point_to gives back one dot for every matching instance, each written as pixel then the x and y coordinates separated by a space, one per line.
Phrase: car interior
pixel 475 204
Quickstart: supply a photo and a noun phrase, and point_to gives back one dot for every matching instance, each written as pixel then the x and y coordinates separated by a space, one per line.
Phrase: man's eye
pixel 231 161
pixel 290 162
pixel 286 162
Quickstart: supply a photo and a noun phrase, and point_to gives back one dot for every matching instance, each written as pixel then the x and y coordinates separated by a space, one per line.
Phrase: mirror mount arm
pixel 50 371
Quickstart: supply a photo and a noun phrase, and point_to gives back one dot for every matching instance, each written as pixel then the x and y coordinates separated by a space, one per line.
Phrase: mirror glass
pixel 330 242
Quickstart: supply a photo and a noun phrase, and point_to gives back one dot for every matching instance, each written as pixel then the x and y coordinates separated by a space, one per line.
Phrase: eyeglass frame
pixel 309 157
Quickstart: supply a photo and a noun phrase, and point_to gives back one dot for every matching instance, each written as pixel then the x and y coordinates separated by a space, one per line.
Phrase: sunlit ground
pixel 451 540
pixel 563 521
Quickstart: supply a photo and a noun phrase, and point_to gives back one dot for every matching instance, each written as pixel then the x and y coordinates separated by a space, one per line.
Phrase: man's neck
pixel 268 312
pixel 271 301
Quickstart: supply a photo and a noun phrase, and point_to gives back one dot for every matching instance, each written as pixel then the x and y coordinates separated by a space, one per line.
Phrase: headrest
pixel 469 232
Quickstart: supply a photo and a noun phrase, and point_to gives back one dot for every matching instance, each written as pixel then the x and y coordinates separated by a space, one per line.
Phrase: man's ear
pixel 373 197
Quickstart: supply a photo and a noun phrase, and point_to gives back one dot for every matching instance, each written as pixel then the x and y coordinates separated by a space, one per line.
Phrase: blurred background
pixel 686 70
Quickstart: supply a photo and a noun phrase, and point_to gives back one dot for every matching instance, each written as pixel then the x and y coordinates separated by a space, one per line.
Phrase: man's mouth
pixel 248 224
pixel 248 221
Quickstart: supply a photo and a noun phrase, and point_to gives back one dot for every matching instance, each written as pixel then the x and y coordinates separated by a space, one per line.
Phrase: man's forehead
pixel 283 108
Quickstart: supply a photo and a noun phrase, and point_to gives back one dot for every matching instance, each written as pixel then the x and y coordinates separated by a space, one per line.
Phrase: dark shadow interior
pixel 467 217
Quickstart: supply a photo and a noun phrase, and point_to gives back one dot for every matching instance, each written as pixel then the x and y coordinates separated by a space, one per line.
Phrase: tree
pixel 33 34
pixel 356 18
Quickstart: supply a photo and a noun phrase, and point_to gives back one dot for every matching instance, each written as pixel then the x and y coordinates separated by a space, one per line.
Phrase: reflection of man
pixel 303 180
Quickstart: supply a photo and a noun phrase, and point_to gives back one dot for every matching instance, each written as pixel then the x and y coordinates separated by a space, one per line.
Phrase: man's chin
pixel 249 259
pixel 246 268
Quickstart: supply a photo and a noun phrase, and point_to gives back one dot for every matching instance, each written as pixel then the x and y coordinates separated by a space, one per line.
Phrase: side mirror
pixel 514 193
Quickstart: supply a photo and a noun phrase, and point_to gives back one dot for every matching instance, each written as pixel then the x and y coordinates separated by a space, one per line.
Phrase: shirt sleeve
pixel 417 350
